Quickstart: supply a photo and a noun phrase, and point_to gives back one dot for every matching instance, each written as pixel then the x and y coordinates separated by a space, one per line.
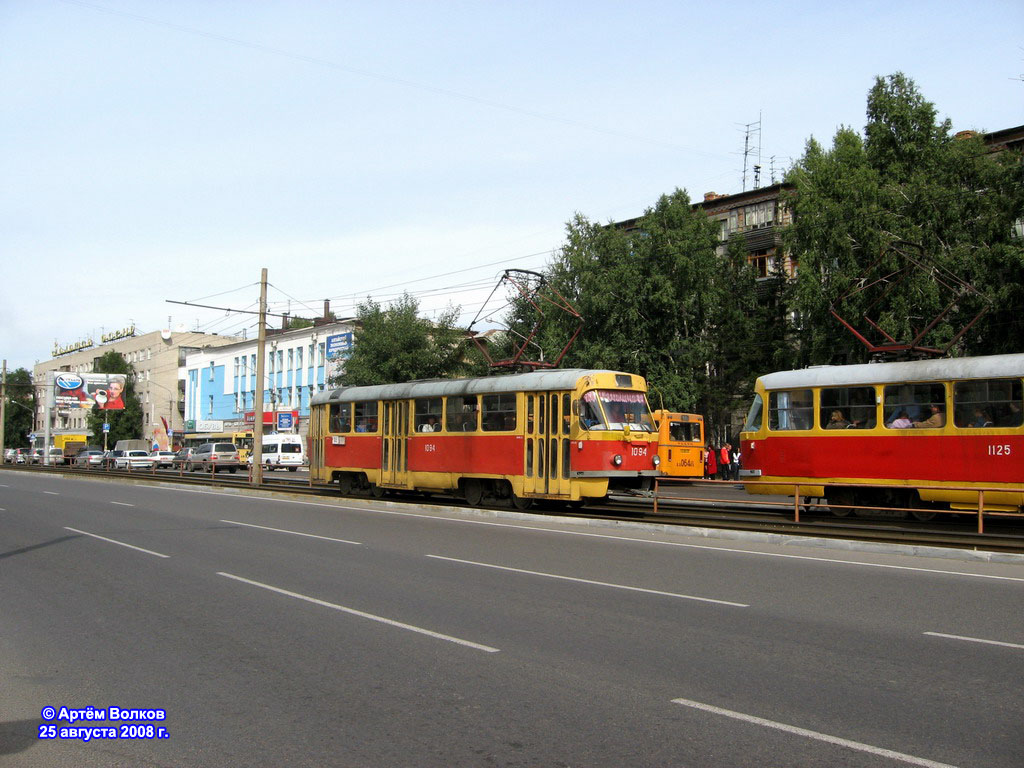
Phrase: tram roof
pixel 990 367
pixel 532 381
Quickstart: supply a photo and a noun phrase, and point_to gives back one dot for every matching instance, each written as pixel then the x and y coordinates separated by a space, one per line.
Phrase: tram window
pixel 529 457
pixel 987 403
pixel 790 410
pixel 341 417
pixel 529 413
pixel 912 403
pixel 366 416
pixel 590 412
pixel 565 458
pixel 684 431
pixel 499 413
pixel 427 414
pixel 566 414
pixel 461 414
pixel 753 422
pixel 847 408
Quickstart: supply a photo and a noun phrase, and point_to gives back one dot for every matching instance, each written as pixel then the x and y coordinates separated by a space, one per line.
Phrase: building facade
pixel 221 387
pixel 158 359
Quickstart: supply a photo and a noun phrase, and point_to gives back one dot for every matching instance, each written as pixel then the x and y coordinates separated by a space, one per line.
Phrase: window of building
pixel 211 371
pixel 847 408
pixel 499 413
pixel 210 412
pixel 790 410
pixel 987 403
pixel 298 358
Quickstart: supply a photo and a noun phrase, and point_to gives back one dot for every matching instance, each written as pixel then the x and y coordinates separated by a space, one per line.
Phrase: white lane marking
pixel 904 758
pixel 4 486
pixel 975 640
pixel 684 545
pixel 114 541
pixel 122 504
pixel 51 493
pixel 363 614
pixel 293 533
pixel 590 581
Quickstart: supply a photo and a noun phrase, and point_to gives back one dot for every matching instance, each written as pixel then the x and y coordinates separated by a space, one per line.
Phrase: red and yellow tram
pixel 566 435
pixel 922 435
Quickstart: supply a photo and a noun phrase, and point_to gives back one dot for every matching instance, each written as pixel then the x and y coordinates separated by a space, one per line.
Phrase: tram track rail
pixel 724 515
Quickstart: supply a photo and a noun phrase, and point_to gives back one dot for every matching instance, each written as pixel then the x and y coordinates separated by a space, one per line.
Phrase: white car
pixel 133 460
pixel 163 458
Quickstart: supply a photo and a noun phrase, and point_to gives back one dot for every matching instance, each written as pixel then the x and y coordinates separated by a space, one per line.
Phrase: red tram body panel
pixel 936 434
pixel 558 434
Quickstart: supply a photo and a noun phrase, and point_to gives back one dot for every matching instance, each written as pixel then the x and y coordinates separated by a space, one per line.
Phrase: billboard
pixel 89 390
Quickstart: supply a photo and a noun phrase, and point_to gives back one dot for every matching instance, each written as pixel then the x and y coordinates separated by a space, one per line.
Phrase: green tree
pixel 657 300
pixel 905 205
pixel 125 424
pixel 396 344
pixel 19 410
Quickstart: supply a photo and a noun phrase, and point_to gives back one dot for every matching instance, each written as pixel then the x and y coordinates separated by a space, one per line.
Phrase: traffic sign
pixel 106 426
pixel 285 421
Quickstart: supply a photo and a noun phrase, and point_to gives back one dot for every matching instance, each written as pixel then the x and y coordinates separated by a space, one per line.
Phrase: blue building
pixel 221 387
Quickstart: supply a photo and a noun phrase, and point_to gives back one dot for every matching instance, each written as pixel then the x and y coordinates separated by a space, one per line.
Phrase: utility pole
pixel 3 407
pixel 261 346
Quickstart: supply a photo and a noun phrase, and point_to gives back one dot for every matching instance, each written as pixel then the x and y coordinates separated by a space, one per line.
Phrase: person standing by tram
pixel 711 463
pixel 724 462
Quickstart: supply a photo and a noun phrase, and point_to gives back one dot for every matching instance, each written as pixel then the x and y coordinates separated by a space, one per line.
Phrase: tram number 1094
pixel 999 450
pixel 638 450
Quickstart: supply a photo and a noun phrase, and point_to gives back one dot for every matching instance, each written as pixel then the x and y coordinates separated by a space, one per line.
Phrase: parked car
pixel 163 458
pixel 212 457
pixel 110 457
pixel 88 458
pixel 183 457
pixel 281 451
pixel 22 456
pixel 36 457
pixel 9 455
pixel 56 456
pixel 133 460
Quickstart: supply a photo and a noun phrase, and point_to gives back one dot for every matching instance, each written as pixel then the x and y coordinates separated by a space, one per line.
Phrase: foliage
pixel 657 300
pixel 125 424
pixel 396 344
pixel 19 409
pixel 907 191
pixel 294 323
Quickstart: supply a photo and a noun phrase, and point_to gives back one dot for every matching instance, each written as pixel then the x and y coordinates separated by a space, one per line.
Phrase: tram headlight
pixel 617 460
pixel 657 460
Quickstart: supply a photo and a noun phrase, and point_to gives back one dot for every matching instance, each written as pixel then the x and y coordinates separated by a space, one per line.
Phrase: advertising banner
pixel 89 390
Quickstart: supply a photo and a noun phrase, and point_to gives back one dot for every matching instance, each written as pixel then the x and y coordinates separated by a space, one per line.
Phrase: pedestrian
pixel 711 463
pixel 724 462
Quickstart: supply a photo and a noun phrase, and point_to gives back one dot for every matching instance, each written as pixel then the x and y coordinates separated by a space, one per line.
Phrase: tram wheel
pixel 843 497
pixel 345 485
pixel 473 491
pixel 377 492
pixel 520 503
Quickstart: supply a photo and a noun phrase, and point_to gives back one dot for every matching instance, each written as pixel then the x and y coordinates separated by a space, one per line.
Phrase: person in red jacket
pixel 711 463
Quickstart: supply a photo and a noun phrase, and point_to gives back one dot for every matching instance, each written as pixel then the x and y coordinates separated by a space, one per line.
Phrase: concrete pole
pixel 261 347
pixel 3 408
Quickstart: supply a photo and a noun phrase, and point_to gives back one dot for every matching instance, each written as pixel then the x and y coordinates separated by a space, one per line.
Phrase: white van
pixel 283 451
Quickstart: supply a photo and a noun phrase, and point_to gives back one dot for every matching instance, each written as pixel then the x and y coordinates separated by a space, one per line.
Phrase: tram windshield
pixel 615 409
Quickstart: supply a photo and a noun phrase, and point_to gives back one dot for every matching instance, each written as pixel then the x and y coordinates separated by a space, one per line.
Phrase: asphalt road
pixel 312 633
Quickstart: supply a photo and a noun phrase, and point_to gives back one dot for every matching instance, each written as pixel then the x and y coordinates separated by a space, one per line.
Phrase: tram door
pixel 547 444
pixel 395 431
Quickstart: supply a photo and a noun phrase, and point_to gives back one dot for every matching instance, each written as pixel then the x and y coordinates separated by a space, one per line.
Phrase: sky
pixel 158 151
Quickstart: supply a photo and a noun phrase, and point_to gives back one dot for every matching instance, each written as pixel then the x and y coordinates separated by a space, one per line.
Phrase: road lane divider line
pixel 122 504
pixel 792 729
pixel 975 640
pixel 293 533
pixel 115 541
pixel 364 614
pixel 611 536
pixel 51 493
pixel 590 581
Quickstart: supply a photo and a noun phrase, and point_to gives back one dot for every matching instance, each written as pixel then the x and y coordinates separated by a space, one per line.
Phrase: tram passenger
pixel 902 421
pixel 936 420
pixel 837 421
pixel 711 463
pixel 430 425
pixel 982 419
